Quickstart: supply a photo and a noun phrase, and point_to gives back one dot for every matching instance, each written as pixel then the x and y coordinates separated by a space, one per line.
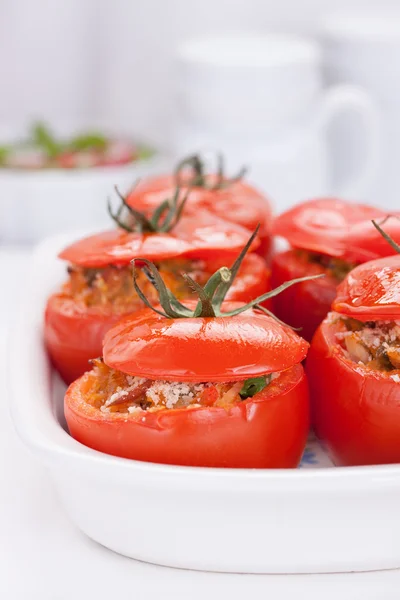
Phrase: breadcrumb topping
pixel 113 391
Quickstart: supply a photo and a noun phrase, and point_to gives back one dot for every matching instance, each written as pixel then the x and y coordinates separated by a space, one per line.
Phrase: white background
pixel 111 60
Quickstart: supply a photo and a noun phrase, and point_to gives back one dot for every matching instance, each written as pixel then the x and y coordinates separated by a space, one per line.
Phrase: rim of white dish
pixel 368 27
pixel 237 50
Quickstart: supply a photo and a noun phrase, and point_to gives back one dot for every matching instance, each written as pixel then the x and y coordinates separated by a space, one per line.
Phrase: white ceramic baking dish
pixel 248 521
pixel 36 204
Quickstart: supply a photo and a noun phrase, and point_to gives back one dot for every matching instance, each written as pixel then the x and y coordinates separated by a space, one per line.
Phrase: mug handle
pixel 347 99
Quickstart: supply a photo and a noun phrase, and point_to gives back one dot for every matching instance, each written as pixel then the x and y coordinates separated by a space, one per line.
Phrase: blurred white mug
pixel 260 100
pixel 363 48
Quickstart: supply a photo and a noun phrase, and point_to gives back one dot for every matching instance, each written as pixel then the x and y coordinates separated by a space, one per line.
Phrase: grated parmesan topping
pixel 114 391
pixel 135 409
pixel 133 382
pixel 171 393
pixel 158 395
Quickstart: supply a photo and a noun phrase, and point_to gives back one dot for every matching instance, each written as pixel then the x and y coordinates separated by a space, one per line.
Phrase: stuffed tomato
pixel 354 368
pixel 327 236
pixel 190 384
pixel 231 199
pixel 99 289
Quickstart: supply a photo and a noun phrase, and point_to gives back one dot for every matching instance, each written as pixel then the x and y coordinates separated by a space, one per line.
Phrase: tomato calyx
pixel 385 235
pixel 164 218
pixel 199 177
pixel 210 296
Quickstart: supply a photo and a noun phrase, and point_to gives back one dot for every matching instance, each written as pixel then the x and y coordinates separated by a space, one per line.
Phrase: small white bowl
pixel 242 521
pixel 36 204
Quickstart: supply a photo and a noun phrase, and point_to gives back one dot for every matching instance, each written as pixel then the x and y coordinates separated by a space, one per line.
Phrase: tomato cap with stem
pixel 212 295
pixel 199 177
pixel 371 290
pixel 208 340
pixel 164 217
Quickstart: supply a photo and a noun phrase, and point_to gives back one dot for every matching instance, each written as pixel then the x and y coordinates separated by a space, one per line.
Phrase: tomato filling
pixel 112 286
pixel 335 267
pixel 112 391
pixel 375 344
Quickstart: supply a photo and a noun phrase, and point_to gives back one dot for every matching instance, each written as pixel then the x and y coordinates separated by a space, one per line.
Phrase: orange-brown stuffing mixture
pixel 375 344
pixel 335 267
pixel 113 285
pixel 113 391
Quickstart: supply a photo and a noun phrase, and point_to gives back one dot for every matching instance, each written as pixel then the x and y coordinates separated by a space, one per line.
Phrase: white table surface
pixel 44 557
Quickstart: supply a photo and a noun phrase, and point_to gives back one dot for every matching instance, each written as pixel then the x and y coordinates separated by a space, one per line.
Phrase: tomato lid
pixel 229 198
pixel 207 340
pixel 195 236
pixel 371 291
pixel 365 242
pixel 336 228
pixel 118 247
pixel 234 348
pixel 239 203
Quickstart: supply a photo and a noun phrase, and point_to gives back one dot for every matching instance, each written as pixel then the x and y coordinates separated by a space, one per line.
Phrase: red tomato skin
pixel 365 243
pixel 355 411
pixel 239 203
pixel 73 336
pixel 337 228
pixel 118 247
pixel 371 291
pixel 261 432
pixel 305 304
pixel 200 236
pixel 213 349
